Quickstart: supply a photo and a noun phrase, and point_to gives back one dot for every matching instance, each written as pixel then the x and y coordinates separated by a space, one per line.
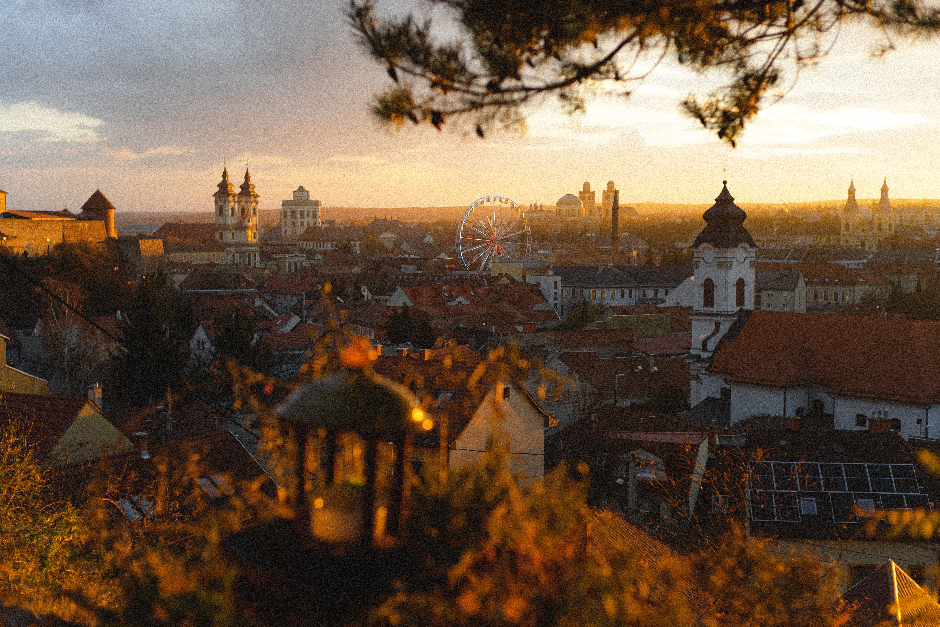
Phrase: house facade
pixel 842 371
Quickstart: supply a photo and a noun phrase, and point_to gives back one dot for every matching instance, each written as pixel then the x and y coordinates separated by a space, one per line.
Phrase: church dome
pixel 568 198
pixel 724 224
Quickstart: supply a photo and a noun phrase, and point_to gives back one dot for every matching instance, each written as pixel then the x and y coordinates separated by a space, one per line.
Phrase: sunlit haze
pixel 146 100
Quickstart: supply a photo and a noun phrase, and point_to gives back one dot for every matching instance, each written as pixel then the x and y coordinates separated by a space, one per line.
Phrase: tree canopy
pixel 509 53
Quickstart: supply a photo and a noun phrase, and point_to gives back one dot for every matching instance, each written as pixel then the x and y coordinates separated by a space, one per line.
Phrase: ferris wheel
pixel 494 226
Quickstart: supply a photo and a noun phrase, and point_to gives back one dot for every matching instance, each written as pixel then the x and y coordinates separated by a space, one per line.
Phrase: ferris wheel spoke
pixel 482 255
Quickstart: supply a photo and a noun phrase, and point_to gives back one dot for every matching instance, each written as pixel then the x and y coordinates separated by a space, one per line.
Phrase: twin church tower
pixel 236 221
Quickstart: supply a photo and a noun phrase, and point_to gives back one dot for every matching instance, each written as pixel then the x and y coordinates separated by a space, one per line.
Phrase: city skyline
pixel 147 101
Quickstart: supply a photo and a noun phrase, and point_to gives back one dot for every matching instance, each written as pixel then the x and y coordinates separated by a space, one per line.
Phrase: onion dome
pixel 225 186
pixel 724 224
pixel 247 188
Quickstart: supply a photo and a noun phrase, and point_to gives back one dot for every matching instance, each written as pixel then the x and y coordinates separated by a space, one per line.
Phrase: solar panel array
pixel 786 491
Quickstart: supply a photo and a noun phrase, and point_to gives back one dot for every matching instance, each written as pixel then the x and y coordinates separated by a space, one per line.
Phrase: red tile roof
pixel 668 345
pixel 186 230
pixel 639 380
pixel 852 355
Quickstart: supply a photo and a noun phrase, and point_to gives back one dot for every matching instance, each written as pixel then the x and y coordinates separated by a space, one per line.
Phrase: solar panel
pixel 810 479
pixel 762 505
pixel 905 479
pixel 842 507
pixel 780 491
pixel 785 476
pixel 879 475
pixel 787 506
pixel 832 477
pixel 856 478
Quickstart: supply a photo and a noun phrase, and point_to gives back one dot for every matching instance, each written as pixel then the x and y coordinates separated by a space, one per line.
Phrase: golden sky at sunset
pixel 146 100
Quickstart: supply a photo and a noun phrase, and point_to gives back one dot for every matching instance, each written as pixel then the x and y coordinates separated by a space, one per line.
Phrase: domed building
pixel 569 206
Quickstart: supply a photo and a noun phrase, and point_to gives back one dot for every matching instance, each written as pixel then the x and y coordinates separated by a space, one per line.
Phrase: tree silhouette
pixel 509 53
pixel 154 343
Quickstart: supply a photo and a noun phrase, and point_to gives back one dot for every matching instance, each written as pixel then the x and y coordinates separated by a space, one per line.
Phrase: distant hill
pixel 271 217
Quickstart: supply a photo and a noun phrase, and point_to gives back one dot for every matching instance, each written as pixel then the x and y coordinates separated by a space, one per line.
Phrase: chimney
pixel 615 225
pixel 140 443
pixel 95 394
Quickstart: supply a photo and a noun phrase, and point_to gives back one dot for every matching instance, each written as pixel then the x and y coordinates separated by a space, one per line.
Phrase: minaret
pixel 723 258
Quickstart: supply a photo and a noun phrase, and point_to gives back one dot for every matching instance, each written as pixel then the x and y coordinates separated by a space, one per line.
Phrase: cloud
pixel 785 124
pixel 369 159
pixel 128 155
pixel 48 124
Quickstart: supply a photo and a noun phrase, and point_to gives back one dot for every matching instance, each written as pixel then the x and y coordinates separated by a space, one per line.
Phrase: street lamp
pixel 344 544
pixel 339 423
pixel 616 380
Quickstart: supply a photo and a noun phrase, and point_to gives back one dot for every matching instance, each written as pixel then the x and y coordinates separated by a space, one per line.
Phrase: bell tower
pixel 236 221
pixel 224 209
pixel 723 257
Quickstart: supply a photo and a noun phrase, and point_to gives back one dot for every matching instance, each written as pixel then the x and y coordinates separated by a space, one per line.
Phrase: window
pixel 630 293
pixel 808 506
pixel 861 420
pixel 603 294
pixel 621 293
pixel 739 293
pixel 593 294
pixel 644 292
pixel 708 293
pixel 655 293
pixel 506 391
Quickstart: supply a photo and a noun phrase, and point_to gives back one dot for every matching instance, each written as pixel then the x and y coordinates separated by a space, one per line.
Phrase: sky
pixel 146 101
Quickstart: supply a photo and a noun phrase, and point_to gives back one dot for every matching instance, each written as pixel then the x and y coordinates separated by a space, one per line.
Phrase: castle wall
pixel 37 237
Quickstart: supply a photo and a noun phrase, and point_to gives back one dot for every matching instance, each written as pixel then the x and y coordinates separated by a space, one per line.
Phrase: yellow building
pixel 37 232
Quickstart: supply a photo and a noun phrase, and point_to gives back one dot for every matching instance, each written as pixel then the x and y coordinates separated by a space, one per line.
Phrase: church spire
pixel 884 205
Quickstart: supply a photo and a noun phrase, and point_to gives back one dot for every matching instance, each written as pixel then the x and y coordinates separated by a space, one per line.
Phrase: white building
pixel 299 214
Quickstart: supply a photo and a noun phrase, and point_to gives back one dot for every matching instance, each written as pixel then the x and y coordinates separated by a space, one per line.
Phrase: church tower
pixel 849 219
pixel 884 217
pixel 723 257
pixel 224 209
pixel 236 221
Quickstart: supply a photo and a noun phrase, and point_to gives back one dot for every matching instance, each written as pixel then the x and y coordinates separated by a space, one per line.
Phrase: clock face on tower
pixel 742 254
pixel 708 255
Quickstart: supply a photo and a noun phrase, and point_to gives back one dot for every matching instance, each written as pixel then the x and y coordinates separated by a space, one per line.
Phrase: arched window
pixel 708 293
pixel 739 293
